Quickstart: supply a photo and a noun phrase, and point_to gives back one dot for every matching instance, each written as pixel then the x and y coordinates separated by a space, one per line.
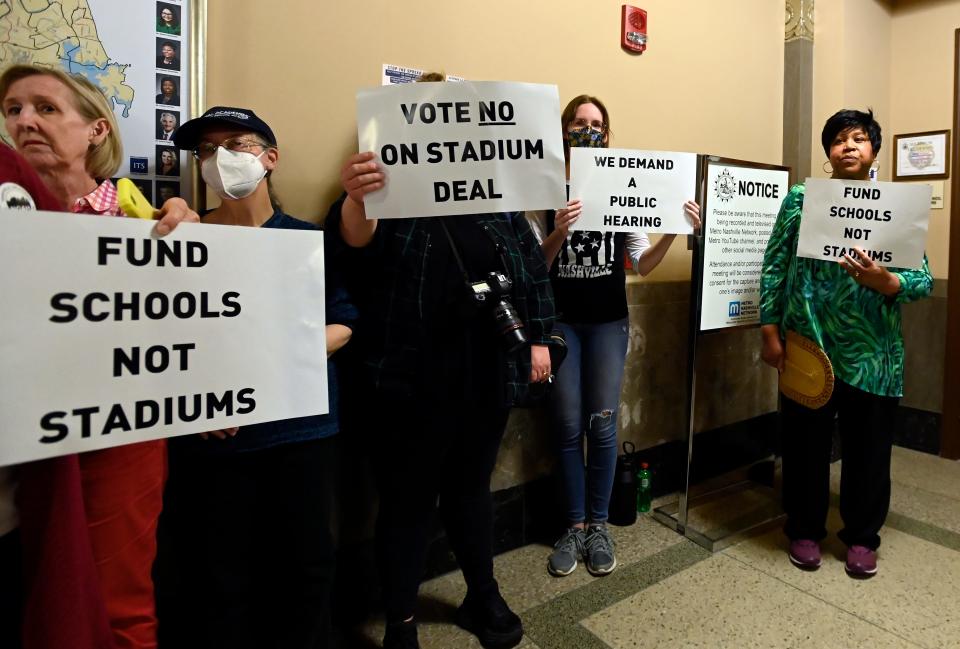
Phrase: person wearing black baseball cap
pixel 246 552
pixel 190 133
pixel 236 150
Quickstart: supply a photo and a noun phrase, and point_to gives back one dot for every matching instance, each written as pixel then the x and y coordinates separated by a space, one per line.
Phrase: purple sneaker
pixel 805 554
pixel 861 562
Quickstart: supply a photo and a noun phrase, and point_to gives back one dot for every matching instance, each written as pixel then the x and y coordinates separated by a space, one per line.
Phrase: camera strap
pixel 455 250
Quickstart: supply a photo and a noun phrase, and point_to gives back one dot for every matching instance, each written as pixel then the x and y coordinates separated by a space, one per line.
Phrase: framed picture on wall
pixel 921 156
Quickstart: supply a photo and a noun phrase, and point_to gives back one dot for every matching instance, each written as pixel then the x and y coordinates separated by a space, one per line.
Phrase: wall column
pixel 798 87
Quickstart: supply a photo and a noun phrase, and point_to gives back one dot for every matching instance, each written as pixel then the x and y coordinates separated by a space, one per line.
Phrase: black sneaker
pixel 401 636
pixel 491 620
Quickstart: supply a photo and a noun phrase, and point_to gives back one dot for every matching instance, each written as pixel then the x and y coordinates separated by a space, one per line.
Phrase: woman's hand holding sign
pixel 562 220
pixel 866 272
pixel 568 216
pixel 173 212
pixel 692 210
pixel 652 257
pixel 360 175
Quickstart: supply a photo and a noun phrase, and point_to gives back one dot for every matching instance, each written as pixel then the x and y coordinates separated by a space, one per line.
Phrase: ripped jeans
pixel 585 402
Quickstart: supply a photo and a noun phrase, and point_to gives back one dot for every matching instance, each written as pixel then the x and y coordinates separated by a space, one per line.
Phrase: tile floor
pixel 670 593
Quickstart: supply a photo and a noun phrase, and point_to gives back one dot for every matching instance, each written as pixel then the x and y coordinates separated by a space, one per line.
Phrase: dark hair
pixel 172 80
pixel 176 19
pixel 844 120
pixel 570 112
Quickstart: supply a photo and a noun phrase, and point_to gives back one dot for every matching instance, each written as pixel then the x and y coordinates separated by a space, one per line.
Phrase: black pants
pixel 866 423
pixel 424 455
pixel 11 590
pixel 246 557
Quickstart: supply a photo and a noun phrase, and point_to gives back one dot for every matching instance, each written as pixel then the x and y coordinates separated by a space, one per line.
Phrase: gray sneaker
pixel 598 550
pixel 566 552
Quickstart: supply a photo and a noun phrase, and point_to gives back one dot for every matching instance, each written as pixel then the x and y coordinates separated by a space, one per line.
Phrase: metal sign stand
pixel 676 515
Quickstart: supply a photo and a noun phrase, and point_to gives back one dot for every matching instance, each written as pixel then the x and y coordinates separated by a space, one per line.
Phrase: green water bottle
pixel 643 488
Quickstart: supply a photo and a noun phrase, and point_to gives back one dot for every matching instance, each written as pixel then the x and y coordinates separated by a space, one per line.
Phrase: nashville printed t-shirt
pixel 588 278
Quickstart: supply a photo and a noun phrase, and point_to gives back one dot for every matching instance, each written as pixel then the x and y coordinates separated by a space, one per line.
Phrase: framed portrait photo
pixel 921 156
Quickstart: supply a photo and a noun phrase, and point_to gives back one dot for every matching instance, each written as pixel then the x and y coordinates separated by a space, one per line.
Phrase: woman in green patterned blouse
pixel 852 310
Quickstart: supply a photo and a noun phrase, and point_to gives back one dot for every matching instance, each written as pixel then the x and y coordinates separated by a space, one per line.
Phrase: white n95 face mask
pixel 233 174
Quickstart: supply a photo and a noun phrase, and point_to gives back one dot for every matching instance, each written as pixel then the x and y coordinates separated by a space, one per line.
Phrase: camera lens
pixel 508 326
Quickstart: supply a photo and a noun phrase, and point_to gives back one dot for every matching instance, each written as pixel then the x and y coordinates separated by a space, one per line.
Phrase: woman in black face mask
pixel 588 279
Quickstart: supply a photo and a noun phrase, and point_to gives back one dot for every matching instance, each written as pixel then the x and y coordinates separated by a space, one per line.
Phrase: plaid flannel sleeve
pixel 540 307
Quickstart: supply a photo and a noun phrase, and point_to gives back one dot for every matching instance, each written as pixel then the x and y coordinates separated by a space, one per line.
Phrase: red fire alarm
pixel 633 29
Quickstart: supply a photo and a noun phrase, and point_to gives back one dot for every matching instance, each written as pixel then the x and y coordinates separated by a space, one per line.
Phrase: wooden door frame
pixel 950 423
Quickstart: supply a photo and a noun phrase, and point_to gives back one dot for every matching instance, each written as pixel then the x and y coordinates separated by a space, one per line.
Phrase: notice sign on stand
pixel 741 206
pixel 111 335
pixel 463 148
pixel 888 221
pixel 627 190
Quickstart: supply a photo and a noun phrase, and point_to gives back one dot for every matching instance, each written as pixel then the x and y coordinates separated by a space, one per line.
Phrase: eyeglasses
pixel 239 143
pixel 596 125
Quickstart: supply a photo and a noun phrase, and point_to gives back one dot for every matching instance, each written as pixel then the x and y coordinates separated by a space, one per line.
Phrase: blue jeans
pixel 585 401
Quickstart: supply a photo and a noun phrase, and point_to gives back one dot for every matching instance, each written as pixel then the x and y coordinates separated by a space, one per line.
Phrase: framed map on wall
pixel 138 52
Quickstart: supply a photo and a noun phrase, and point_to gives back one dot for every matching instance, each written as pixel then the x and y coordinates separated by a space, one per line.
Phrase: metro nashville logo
pixel 725 186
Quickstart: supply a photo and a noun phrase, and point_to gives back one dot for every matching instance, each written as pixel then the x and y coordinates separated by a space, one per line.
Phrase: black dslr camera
pixel 490 294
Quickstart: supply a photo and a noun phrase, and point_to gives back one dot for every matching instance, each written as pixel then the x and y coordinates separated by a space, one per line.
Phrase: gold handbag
pixel 807 377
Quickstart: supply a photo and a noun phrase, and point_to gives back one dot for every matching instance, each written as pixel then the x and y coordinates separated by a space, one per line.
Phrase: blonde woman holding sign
pixel 851 309
pixel 64 127
pixel 47 569
pixel 588 279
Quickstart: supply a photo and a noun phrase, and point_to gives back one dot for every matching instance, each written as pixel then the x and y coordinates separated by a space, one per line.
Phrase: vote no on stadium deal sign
pixel 111 335
pixel 626 190
pixel 463 148
pixel 888 221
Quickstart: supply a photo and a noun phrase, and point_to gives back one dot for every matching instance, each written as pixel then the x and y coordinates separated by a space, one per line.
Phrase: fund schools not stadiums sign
pixel 112 336
pixel 463 148
pixel 888 221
